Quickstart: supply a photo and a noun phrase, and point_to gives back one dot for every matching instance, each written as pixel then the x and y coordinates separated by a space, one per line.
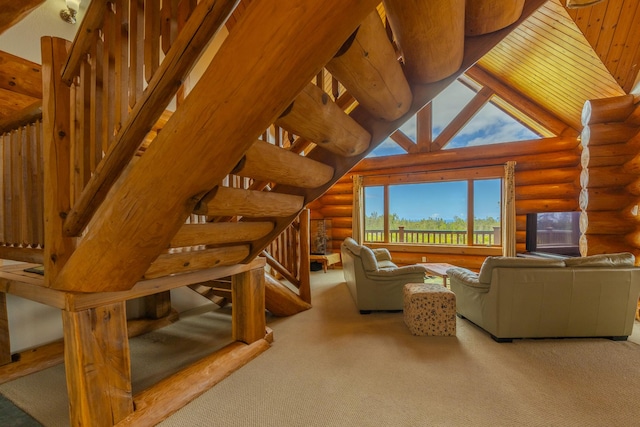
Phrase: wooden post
pixel 5 344
pixel 305 277
pixel 247 294
pixel 158 305
pixel 57 157
pixel 97 364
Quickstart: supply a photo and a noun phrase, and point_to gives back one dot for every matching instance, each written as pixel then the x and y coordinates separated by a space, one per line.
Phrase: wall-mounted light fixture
pixel 68 15
pixel 574 4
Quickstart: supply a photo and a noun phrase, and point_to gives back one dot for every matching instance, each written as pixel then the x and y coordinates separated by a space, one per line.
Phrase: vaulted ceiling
pixel 558 58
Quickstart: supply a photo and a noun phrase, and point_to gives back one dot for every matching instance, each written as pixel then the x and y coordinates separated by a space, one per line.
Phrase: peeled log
pixel 368 67
pixel 337 199
pixel 266 162
pixel 546 176
pixel 314 116
pixel 341 233
pixel 607 155
pixel 632 165
pixel 341 187
pixel 342 222
pixel 280 300
pixel 615 109
pixel 430 35
pixel 487 16
pixel 605 244
pixel 607 133
pixel 546 205
pixel 631 212
pixel 606 176
pixel 337 210
pixel 546 191
pixel 603 199
pixel 604 222
pixel 634 117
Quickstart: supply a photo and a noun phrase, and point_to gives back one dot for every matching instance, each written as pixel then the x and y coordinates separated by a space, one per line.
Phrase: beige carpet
pixel 331 366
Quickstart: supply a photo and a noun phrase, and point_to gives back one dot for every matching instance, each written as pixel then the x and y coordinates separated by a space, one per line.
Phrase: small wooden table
pixel 437 269
pixel 326 260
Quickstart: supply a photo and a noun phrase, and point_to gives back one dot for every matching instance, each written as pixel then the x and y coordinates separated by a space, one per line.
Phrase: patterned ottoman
pixel 429 309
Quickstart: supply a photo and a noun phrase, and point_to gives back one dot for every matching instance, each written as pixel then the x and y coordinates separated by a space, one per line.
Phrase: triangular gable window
pixel 465 114
pixel 491 125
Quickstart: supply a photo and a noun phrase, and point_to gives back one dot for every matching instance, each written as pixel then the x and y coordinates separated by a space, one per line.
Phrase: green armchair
pixel 375 282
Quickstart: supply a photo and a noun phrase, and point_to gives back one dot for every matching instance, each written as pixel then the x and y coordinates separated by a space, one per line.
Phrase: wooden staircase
pixel 133 208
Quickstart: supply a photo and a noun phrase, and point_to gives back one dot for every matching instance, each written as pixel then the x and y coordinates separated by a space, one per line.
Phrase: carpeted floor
pixel 331 366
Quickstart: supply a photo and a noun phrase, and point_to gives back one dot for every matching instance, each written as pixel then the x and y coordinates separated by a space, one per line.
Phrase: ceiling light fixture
pixel 575 4
pixel 68 15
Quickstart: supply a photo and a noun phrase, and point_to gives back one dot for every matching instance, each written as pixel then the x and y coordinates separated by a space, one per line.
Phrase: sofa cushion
pixel 514 262
pixel 624 259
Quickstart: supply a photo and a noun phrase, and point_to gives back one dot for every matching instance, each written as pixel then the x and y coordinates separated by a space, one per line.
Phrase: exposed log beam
pixel 215 233
pixel 182 262
pixel 266 162
pixel 225 201
pixel 14 11
pixel 475 48
pixel 368 67
pixel 430 35
pixel 313 115
pixel 138 223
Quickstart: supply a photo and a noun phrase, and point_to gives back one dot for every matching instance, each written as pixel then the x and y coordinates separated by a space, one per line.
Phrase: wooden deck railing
pixel 435 237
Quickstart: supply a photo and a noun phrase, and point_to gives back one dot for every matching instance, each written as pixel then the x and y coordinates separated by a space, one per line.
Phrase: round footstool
pixel 429 309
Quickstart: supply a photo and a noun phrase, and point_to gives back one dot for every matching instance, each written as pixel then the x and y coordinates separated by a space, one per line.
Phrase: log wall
pixel 547 179
pixel 610 177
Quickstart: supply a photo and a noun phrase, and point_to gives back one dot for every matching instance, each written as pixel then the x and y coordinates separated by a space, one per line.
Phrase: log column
pixel 97 365
pixel 5 344
pixel 609 198
pixel 247 294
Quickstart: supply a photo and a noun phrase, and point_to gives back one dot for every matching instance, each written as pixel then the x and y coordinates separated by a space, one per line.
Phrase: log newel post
pixel 305 263
pixel 5 343
pixel 248 310
pixel 56 118
pixel 97 365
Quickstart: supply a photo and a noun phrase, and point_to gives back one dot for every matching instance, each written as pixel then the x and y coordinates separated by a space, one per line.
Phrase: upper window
pixel 491 125
pixel 465 114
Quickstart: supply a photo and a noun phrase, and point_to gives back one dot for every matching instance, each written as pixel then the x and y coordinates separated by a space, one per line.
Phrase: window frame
pixel 467 174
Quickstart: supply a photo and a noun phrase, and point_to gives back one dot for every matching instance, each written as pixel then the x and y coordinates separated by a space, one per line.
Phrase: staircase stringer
pixel 133 226
pixel 475 48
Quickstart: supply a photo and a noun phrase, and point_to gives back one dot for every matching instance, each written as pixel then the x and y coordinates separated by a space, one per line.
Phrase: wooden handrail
pixel 206 20
pixel 88 31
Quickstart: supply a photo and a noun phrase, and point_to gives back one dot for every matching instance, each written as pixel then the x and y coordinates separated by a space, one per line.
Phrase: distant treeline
pixel 376 222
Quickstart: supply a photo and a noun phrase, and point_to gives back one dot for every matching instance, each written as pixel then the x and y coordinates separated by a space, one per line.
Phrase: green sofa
pixel 374 281
pixel 594 296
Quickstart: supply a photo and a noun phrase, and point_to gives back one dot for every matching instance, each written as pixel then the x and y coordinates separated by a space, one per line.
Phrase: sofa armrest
pixel 382 254
pixel 466 277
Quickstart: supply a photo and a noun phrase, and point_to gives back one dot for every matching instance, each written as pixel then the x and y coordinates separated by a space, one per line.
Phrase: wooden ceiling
pixel 550 59
pixel 559 58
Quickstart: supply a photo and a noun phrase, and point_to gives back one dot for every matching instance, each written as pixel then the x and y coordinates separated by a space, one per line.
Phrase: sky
pixel 444 200
pixel 489 126
pixel 447 200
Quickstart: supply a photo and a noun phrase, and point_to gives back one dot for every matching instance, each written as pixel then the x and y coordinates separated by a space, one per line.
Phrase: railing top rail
pixel 89 29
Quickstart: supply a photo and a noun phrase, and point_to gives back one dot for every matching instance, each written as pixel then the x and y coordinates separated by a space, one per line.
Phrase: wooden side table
pixel 437 269
pixel 326 260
